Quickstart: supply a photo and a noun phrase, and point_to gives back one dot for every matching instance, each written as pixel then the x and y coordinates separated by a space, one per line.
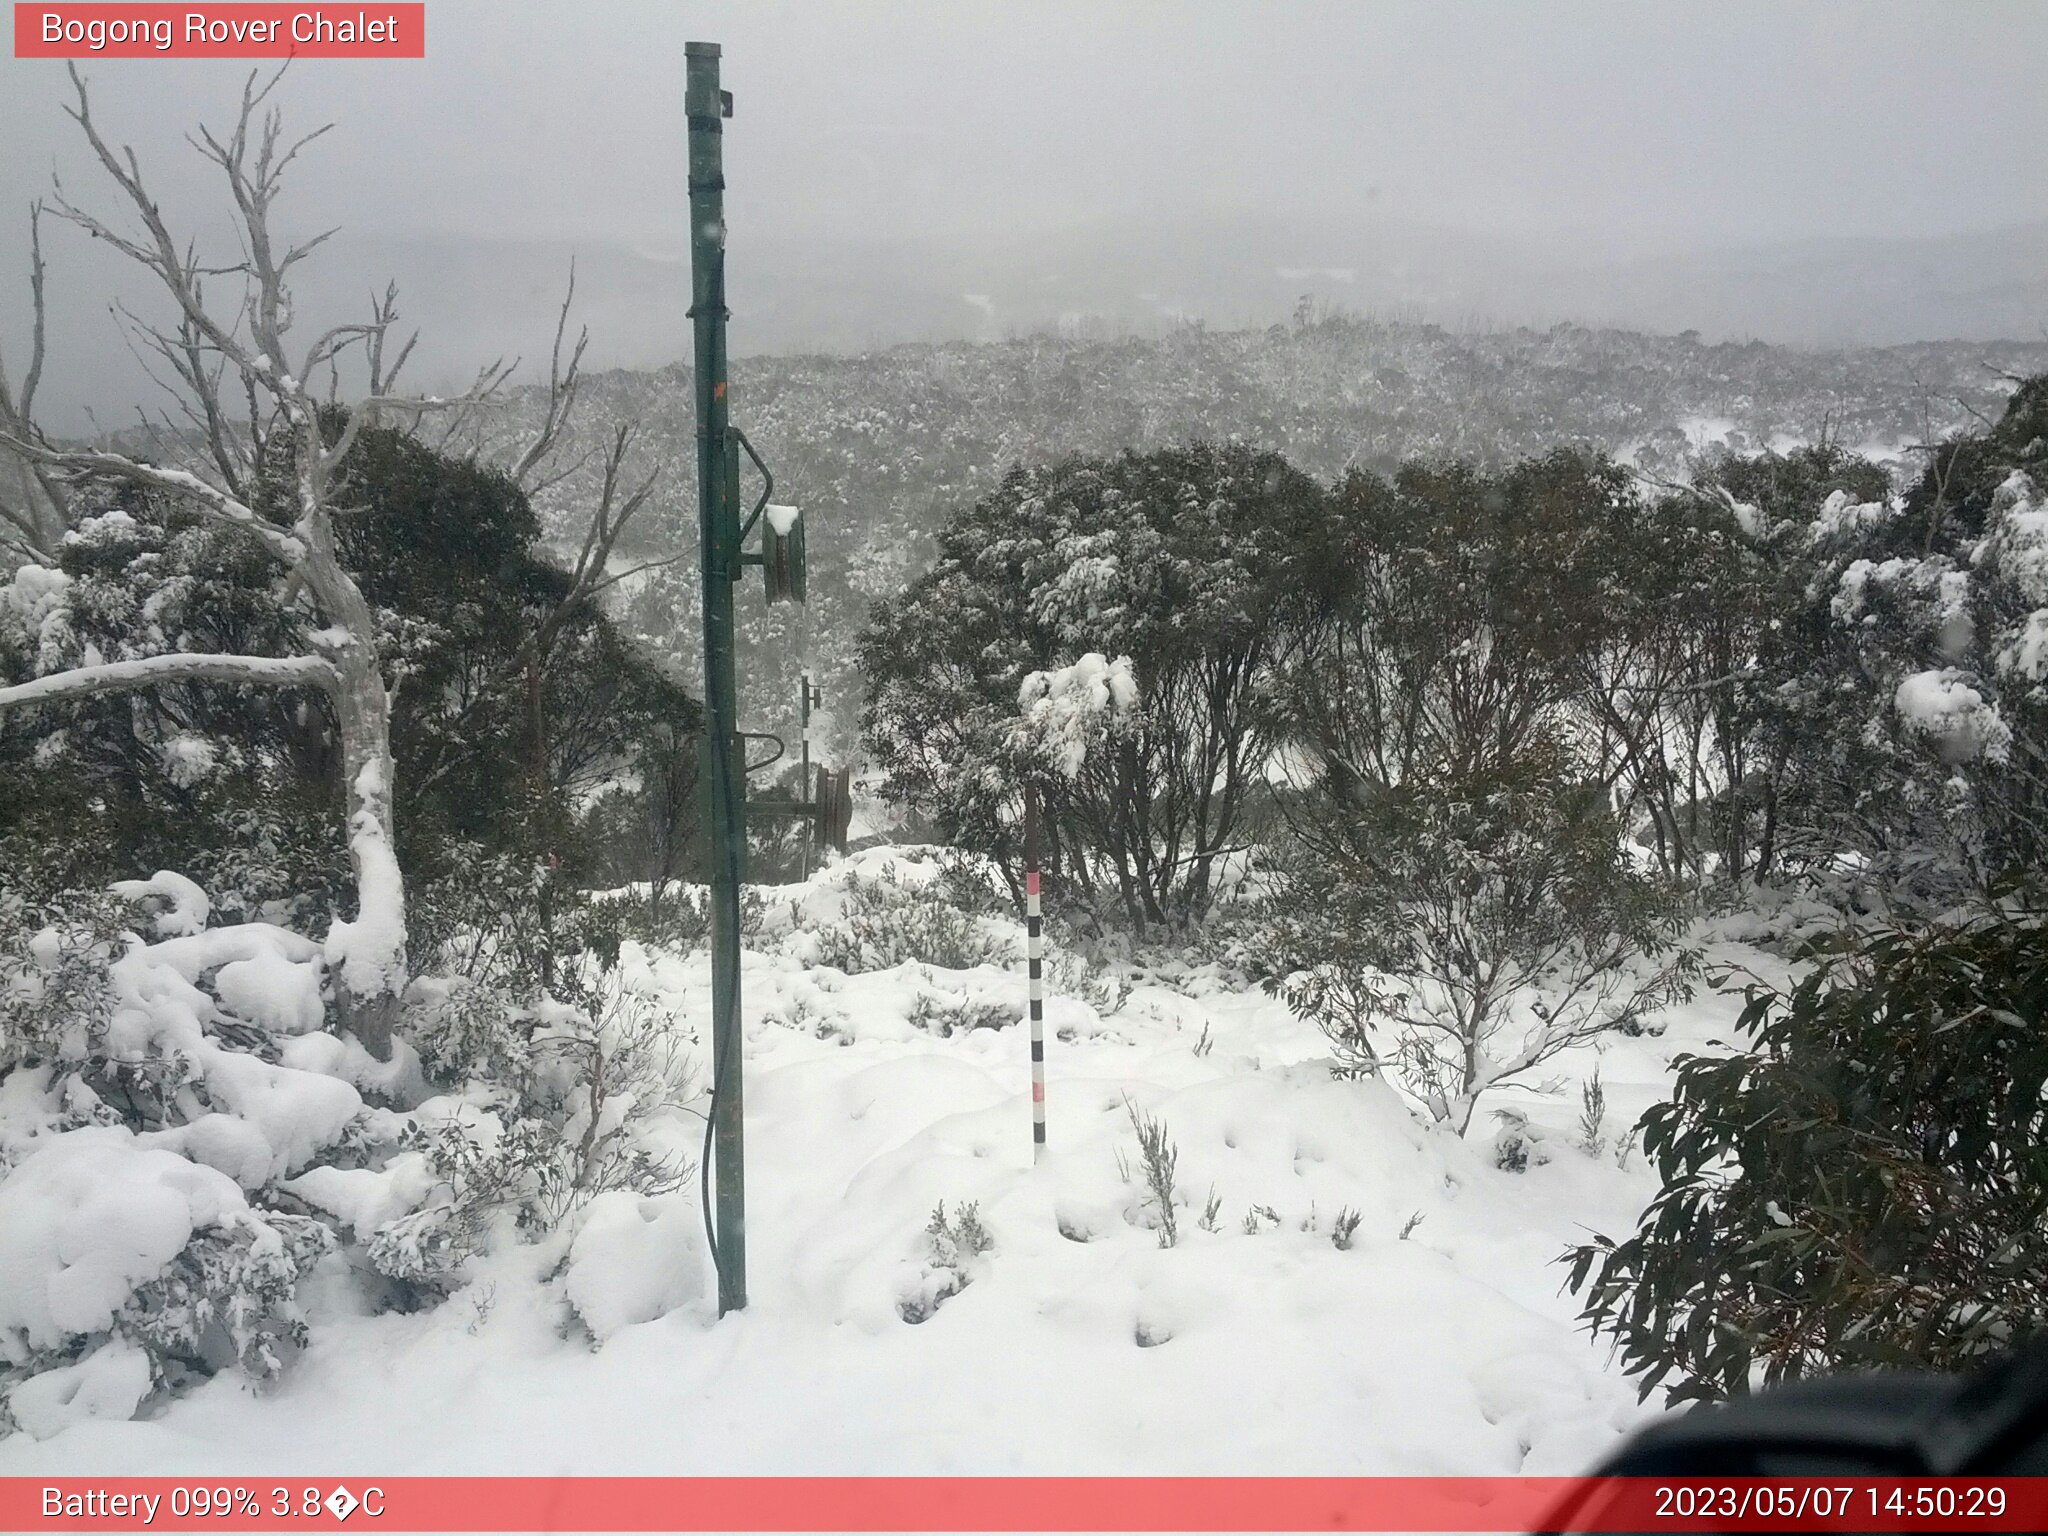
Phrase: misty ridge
pixel 477 297
pixel 843 293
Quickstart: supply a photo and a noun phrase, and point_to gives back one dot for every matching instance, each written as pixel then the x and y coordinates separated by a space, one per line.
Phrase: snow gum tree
pixel 1455 903
pixel 267 472
pixel 1889 693
pixel 1184 561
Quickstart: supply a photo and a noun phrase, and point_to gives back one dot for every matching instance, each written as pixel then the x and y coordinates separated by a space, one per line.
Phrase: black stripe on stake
pixel 1035 947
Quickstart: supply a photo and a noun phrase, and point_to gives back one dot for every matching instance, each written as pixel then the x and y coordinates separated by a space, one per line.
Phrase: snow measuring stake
pixel 723 539
pixel 1034 960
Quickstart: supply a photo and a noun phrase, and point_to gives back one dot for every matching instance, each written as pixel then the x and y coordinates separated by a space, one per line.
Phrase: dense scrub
pixel 1492 736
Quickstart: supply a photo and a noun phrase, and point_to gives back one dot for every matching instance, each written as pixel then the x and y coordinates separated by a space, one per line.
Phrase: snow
pixel 363 1199
pixel 194 954
pixel 189 759
pixel 781 518
pixel 1840 516
pixel 298 1114
pixel 634 1260
pixel 2025 654
pixel 269 990
pixel 2014 552
pixel 1077 1344
pixel 1952 716
pixel 186 905
pixel 89 1216
pixel 32 602
pixel 98 676
pixel 108 1384
pixel 1064 710
pixel 275 1117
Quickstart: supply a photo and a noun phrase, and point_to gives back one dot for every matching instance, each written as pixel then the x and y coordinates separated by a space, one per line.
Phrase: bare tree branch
pixel 209 501
pixel 563 387
pixel 29 380
pixel 17 413
pixel 384 315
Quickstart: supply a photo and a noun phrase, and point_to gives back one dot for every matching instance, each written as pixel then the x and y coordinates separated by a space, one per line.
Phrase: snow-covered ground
pixel 1078 1344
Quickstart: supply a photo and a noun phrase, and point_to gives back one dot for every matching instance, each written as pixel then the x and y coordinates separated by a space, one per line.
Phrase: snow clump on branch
pixel 1066 710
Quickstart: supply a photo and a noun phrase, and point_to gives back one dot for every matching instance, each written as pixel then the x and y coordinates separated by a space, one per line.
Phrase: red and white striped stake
pixel 1034 927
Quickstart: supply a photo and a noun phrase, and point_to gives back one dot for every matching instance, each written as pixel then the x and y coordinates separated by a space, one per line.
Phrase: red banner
pixel 396 1504
pixel 217 31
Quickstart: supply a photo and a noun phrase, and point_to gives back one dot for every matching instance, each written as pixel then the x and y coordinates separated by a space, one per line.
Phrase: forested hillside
pixel 881 449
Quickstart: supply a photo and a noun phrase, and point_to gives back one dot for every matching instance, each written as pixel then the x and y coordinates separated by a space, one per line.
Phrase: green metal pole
pixel 724 839
pixel 803 783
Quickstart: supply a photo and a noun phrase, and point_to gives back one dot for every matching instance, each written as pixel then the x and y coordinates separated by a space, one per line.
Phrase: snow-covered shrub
pixel 1519 1146
pixel 217 781
pixel 1859 1183
pixel 56 1001
pixel 156 1094
pixel 948 1016
pixel 955 1245
pixel 1897 695
pixel 1454 933
pixel 888 920
pixel 1141 601
pixel 677 917
pixel 183 1136
pixel 552 1106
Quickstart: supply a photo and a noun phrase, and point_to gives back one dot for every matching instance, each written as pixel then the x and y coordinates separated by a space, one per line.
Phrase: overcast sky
pixel 1623 128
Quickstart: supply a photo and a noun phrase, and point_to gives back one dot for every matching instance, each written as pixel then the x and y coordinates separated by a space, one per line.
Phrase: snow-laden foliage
pixel 191 775
pixel 1064 712
pixel 158 1091
pixel 901 914
pixel 1460 929
pixel 582 752
pixel 1179 564
pixel 552 1111
pixel 1909 713
pixel 184 1137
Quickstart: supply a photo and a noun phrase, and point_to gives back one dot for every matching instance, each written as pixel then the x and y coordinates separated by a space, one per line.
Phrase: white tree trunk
pixel 366 954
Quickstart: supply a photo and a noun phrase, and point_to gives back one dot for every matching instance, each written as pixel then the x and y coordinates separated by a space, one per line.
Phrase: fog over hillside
pixel 1831 175
pixel 481 298
pixel 851 294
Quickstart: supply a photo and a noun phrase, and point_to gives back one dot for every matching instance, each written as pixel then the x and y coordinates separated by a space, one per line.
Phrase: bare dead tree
pixel 34 510
pixel 214 353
